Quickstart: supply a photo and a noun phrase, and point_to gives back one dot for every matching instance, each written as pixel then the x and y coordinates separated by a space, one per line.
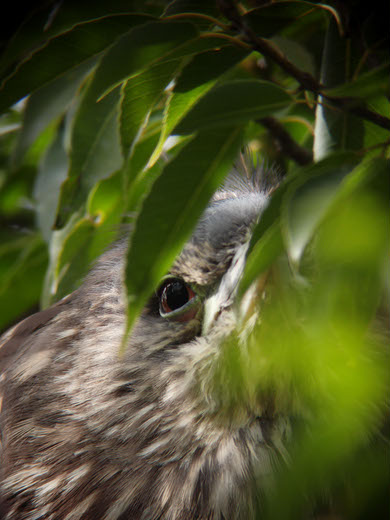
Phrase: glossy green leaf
pixel 63 53
pixel 48 22
pixel 234 102
pixel 139 95
pixel 171 209
pixel 194 81
pixel 144 46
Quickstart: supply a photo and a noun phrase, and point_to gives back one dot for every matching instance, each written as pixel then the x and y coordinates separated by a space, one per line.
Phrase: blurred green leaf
pixel 22 266
pixel 374 83
pixel 47 104
pixel 335 130
pixel 266 241
pixel 51 173
pixel 68 244
pixel 296 53
pixel 309 198
pixel 95 150
pixel 84 237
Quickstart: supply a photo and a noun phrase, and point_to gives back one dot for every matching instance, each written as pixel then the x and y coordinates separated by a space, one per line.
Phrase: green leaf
pixel 84 238
pixel 106 202
pixel 266 242
pixel 196 78
pixel 46 104
pixel 63 53
pixel 272 18
pixel 51 173
pixel 335 130
pixel 44 24
pixel 234 102
pixel 142 47
pixel 69 259
pixel 296 53
pixel 139 95
pixel 95 150
pixel 22 267
pixel 371 84
pixel 309 199
pixel 171 209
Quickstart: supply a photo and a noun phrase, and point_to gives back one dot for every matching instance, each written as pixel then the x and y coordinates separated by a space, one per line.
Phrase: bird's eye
pixel 177 300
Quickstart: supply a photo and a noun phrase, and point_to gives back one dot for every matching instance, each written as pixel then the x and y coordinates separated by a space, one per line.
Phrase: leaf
pixel 144 46
pixel 234 102
pixel 271 19
pixel 44 24
pixel 106 201
pixel 266 242
pixel 371 84
pixel 309 198
pixel 296 53
pixel 62 53
pixel 139 95
pixel 46 104
pixel 22 267
pixel 171 209
pixel 66 245
pixel 51 173
pixel 196 78
pixel 84 237
pixel 95 150
pixel 335 130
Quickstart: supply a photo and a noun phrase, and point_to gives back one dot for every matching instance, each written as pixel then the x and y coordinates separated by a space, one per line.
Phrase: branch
pixel 306 80
pixel 300 155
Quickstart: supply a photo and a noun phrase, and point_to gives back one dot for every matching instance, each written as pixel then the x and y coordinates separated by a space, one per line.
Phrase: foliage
pixel 133 113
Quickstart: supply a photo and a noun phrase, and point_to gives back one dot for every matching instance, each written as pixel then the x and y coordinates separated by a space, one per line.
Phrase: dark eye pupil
pixel 175 295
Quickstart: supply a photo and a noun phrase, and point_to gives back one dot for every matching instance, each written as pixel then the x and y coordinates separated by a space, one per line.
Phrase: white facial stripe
pixel 224 295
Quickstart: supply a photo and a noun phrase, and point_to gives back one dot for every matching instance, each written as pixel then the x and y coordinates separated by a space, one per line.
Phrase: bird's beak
pixel 225 295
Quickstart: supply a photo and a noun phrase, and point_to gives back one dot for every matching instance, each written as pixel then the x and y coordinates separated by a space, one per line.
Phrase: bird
pixel 88 433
